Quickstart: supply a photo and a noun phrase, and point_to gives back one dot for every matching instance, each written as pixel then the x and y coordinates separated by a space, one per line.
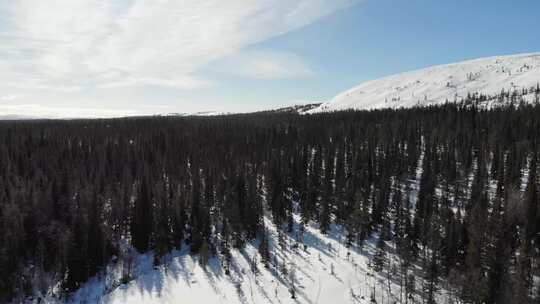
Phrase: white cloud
pixel 186 82
pixel 267 64
pixel 67 45
pixel 9 97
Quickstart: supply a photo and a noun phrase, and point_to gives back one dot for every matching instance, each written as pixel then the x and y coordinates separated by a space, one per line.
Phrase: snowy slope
pixel 298 109
pixel 325 271
pixel 184 280
pixel 440 83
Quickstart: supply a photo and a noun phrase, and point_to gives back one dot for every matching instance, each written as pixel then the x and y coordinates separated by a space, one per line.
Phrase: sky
pixel 106 58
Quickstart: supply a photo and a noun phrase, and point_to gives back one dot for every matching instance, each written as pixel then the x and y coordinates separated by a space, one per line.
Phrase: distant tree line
pixel 453 188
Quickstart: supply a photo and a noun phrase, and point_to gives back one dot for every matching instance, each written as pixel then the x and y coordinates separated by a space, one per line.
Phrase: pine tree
pixel 97 247
pixel 380 258
pixel 142 219
pixel 204 253
pixel 264 251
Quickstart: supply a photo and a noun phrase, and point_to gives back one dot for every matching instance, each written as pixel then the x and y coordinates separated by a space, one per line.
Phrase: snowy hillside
pixel 298 109
pixel 322 271
pixel 437 84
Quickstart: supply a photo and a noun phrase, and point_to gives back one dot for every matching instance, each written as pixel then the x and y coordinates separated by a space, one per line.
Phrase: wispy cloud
pixel 268 64
pixel 9 97
pixel 68 45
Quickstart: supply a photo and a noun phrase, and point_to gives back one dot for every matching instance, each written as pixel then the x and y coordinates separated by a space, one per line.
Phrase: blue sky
pixel 93 58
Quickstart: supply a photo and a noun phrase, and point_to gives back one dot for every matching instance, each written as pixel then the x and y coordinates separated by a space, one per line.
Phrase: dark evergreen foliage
pixel 71 192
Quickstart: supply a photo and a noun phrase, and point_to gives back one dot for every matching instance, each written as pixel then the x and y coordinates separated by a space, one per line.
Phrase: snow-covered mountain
pixel 17 117
pixel 438 84
pixel 298 109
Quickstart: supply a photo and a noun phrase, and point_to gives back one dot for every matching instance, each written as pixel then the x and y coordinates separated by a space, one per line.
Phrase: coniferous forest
pixel 452 188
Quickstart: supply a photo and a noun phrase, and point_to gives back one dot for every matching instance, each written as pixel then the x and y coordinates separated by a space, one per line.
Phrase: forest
pixel 76 194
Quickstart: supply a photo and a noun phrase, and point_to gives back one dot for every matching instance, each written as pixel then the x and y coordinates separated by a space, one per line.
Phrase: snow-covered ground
pixel 437 84
pixel 324 271
pixel 184 279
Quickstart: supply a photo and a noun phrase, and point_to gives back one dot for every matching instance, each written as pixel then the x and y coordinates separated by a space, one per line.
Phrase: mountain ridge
pixel 442 83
